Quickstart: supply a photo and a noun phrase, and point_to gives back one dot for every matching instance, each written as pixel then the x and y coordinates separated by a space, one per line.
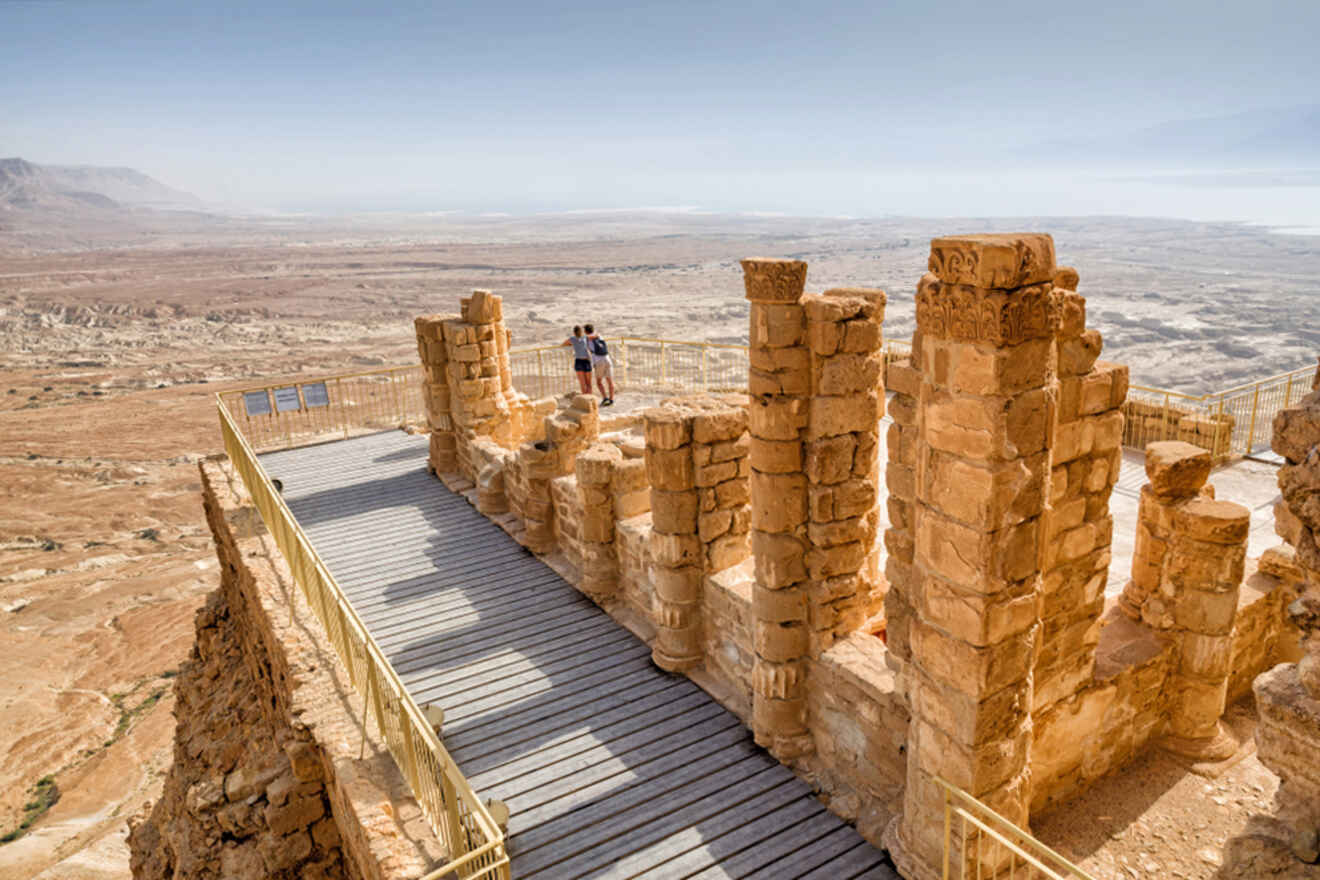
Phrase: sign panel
pixel 257 403
pixel 287 398
pixel 316 395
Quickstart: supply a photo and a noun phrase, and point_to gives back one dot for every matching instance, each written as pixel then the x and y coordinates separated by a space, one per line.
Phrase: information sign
pixel 257 403
pixel 286 399
pixel 315 394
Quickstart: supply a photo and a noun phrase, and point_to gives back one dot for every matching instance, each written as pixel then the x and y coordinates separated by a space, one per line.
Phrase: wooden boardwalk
pixel 610 766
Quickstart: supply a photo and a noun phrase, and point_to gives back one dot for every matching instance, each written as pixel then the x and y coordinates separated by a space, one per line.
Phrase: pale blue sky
pixel 511 106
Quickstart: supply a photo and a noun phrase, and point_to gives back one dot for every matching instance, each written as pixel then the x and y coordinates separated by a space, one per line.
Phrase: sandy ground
pixel 109 359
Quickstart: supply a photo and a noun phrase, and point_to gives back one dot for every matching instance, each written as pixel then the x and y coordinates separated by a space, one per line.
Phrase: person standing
pixel 601 363
pixel 581 358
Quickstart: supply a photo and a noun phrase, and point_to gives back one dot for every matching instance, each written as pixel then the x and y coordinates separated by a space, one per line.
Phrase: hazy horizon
pixel 928 109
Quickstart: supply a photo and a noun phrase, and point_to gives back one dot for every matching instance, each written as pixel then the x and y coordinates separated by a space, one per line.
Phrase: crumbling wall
pixel 267 780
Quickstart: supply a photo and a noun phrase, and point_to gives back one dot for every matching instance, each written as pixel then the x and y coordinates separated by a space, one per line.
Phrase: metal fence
pixel 474 841
pixel 286 414
pixel 640 364
pixel 1236 421
pixel 978 842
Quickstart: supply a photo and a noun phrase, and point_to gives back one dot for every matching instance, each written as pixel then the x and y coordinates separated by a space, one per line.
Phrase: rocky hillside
pixel 26 186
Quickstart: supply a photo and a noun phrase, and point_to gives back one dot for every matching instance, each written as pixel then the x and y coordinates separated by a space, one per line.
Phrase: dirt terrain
pixel 109 359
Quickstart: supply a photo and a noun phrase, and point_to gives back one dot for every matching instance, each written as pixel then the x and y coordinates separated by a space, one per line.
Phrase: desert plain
pixel 113 341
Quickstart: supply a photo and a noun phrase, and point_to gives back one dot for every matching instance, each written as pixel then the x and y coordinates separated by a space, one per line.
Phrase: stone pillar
pixel 600 566
pixel 696 462
pixel 987 317
pixel 1288 696
pixel 435 369
pixel 675 550
pixel 903 380
pixel 477 350
pixel 1086 455
pixel 779 381
pixel 844 328
pixel 1186 572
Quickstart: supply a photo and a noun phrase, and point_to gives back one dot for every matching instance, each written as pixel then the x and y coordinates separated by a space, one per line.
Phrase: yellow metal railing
pixel 980 843
pixel 1233 422
pixel 474 842
pixel 280 415
pixel 640 364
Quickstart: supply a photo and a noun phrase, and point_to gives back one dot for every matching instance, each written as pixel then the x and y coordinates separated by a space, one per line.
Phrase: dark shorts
pixel 582 365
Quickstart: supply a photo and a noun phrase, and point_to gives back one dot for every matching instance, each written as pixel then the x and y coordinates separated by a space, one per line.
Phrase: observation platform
pixel 610 767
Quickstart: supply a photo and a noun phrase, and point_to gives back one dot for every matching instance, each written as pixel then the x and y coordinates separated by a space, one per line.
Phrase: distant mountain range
pixel 26 187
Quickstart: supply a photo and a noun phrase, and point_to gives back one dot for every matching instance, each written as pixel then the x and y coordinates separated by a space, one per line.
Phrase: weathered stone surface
pixel 1175 468
pixel 995 260
pixel 774 280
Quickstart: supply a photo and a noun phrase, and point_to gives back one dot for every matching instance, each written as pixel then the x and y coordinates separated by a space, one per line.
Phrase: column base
pixel 670 663
pixel 786 749
pixel 1220 747
pixel 909 866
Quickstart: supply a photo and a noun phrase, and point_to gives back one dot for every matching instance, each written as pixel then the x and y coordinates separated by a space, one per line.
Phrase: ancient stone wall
pixel 267 780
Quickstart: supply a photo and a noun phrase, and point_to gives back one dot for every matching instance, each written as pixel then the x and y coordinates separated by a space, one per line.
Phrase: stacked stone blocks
pixel 696 463
pixel 1187 570
pixel 987 318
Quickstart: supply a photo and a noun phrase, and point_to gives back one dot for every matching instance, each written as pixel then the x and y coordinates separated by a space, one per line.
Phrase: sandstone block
pixel 830 460
pixel 674 513
pixel 780 641
pixel 713 524
pixel 774 280
pixel 675 551
pixel 779 559
pixel 998 260
pixel 776 419
pixel 824 337
pixel 726 551
pixel 861 337
pixel 1073 313
pixel 1078 354
pixel 1001 371
pixel 666 429
pixel 714 474
pixel 295 813
pixel 730 450
pixel 970 669
pixel 1176 469
pixel 677 584
pixel 970 719
pixel 595 465
pixel 670 469
pixel 776 326
pixel 785 501
pixel 978 767
pixel 1217 522
pixel 779 606
pixel 849 374
pixel 732 493
pixel 973 617
pixel 776 456
pixel 830 416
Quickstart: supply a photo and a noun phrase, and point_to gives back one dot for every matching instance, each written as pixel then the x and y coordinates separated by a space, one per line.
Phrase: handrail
pixel 457 816
pixel 1015 841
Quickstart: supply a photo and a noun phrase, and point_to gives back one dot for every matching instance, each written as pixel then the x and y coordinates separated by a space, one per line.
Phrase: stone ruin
pixel 1288 696
pixel 971 641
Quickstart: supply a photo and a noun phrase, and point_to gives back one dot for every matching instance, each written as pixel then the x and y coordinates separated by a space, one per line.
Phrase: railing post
pixel 1287 394
pixel 623 360
pixel 1164 432
pixel 664 366
pixel 1251 432
pixel 540 373
pixel 705 385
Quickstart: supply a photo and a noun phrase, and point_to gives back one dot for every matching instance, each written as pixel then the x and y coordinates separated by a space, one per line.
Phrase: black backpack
pixel 599 348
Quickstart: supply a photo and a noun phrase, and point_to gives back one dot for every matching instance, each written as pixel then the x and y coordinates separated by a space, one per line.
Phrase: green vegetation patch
pixel 45 794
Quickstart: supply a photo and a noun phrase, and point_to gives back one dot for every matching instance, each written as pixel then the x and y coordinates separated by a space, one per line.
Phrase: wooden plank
pixel 591 849
pixel 624 770
pixel 863 860
pixel 539 769
pixel 478 738
pixel 674 769
pixel 827 831
pixel 552 843
pixel 600 729
pixel 715 841
pixel 809 856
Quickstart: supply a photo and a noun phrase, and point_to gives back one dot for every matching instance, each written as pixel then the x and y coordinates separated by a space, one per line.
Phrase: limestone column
pixel 1085 456
pixel 1187 569
pixel 696 462
pixel 676 551
pixel 987 316
pixel 844 335
pixel 435 368
pixel 600 567
pixel 779 381
pixel 903 381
